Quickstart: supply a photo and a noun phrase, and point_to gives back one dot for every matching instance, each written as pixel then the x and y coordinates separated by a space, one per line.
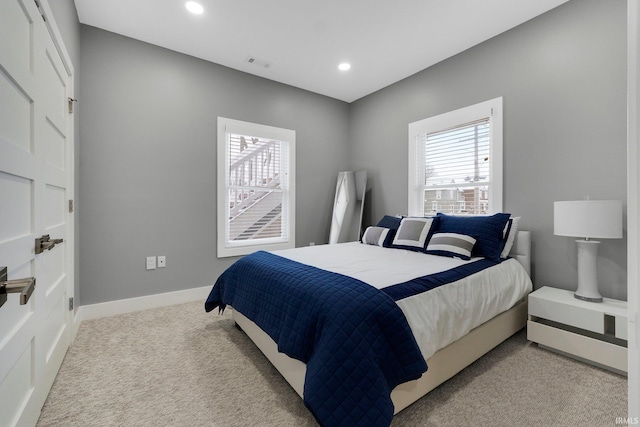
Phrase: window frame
pixel 228 126
pixel 491 109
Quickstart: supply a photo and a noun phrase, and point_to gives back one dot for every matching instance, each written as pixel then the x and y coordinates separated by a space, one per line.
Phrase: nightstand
pixel 592 332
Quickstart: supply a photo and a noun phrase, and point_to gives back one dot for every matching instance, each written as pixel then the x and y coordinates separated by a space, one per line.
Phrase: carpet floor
pixel 179 366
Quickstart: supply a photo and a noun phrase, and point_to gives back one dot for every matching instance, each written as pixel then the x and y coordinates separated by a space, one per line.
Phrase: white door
pixel 633 206
pixel 36 183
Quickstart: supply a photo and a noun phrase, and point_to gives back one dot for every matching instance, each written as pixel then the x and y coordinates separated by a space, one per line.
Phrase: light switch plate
pixel 151 263
pixel 162 261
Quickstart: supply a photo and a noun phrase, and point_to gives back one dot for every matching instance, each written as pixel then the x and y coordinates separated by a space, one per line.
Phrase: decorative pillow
pixel 388 221
pixel 451 245
pixel 487 230
pixel 413 233
pixel 509 234
pixel 378 236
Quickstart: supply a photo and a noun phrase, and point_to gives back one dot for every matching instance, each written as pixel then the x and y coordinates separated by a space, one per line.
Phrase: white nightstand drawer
pixel 599 352
pixel 595 332
pixel 559 305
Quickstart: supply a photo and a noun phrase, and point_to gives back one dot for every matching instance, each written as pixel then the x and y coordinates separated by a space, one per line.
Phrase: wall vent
pixel 257 61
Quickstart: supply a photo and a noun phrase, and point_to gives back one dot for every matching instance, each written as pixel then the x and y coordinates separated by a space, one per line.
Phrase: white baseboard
pixel 113 308
pixel 75 325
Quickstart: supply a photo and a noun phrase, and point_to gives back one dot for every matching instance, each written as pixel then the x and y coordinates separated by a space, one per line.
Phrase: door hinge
pixel 70 205
pixel 70 303
pixel 71 101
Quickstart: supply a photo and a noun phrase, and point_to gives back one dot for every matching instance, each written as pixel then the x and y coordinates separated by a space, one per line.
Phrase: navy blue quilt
pixel 354 339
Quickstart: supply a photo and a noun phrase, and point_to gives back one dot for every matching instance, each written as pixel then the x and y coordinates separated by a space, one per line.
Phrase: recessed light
pixel 344 66
pixel 194 7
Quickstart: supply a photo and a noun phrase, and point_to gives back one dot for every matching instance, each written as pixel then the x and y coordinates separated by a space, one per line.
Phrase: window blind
pixel 459 155
pixel 457 164
pixel 256 189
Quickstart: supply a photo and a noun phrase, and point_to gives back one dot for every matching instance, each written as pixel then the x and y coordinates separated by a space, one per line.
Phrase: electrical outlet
pixel 162 261
pixel 151 263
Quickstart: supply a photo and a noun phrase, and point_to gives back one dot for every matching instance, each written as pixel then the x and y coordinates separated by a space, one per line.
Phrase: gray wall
pixel 563 80
pixel 66 18
pixel 148 162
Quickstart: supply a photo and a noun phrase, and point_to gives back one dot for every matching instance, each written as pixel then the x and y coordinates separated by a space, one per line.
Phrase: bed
pixel 446 329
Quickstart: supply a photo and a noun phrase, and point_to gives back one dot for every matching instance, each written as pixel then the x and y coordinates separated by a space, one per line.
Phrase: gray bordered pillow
pixel 375 236
pixel 413 234
pixel 451 245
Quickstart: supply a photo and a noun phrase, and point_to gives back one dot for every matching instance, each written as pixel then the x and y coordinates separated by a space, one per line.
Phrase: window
pixel 455 161
pixel 256 187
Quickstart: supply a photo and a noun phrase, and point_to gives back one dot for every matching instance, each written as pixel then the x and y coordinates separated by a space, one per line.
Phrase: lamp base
pixel 587 273
pixel 585 298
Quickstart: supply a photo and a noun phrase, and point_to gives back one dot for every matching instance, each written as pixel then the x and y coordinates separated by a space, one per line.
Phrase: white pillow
pixel 509 239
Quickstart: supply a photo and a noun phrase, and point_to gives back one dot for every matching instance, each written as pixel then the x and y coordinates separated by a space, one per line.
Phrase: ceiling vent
pixel 257 61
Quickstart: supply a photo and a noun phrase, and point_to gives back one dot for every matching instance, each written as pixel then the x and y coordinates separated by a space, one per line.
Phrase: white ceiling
pixel 304 40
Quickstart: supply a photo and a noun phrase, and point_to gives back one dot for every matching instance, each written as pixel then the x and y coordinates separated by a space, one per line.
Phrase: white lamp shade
pixel 600 219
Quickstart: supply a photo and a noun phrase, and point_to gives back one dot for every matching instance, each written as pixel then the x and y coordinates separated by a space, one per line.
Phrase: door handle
pixel 23 286
pixel 45 243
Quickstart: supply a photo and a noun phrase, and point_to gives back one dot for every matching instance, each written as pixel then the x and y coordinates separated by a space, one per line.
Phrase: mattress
pixel 437 317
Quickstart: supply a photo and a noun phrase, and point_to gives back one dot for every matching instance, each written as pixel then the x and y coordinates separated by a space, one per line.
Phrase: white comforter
pixel 437 317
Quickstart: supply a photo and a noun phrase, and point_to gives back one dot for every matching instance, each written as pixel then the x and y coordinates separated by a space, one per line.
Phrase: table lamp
pixel 600 219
